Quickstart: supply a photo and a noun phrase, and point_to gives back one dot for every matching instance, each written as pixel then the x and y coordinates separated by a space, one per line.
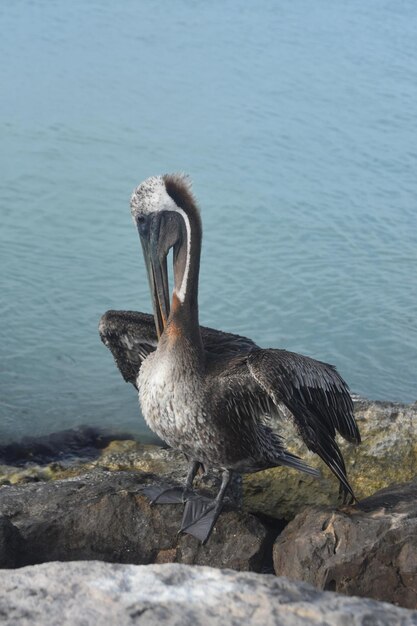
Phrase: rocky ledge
pixel 98 594
pixel 387 455
pixel 94 509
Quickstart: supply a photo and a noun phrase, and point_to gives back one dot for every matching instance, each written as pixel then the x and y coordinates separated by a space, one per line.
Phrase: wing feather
pixel 303 382
pixel 318 399
pixel 238 406
pixel 130 337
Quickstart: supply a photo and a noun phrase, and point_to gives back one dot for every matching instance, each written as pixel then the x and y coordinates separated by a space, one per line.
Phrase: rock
pixel 118 455
pixel 83 442
pixel 98 594
pixel 10 542
pixel 387 455
pixel 369 549
pixel 103 515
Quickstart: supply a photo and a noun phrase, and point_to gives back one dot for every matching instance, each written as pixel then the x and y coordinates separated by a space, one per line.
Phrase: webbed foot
pixel 167 495
pixel 200 517
pixel 201 514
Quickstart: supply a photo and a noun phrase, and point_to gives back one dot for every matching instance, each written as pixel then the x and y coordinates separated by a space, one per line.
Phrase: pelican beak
pixel 156 265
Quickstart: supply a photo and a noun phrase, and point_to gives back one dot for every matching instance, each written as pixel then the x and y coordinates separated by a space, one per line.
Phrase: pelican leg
pixel 201 514
pixel 173 495
pixel 193 468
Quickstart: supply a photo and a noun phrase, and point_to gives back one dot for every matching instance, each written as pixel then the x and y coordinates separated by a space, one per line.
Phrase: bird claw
pixel 187 494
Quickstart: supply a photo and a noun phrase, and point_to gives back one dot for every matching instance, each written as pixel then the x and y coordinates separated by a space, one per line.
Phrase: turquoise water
pixel 297 122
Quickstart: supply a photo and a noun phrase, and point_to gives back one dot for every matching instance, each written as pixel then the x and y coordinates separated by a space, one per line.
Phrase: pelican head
pixel 166 216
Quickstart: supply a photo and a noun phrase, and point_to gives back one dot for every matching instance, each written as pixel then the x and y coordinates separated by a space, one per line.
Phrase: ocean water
pixel 297 122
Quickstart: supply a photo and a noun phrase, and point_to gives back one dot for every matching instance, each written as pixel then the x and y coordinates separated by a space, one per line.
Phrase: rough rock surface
pixel 387 455
pixel 367 550
pixel 98 594
pixel 103 515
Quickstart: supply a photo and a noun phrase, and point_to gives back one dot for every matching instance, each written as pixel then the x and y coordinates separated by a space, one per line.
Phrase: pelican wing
pixel 238 407
pixel 219 343
pixel 317 397
pixel 131 336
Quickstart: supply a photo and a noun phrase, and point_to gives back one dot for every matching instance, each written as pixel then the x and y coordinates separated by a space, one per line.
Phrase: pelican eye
pixel 142 225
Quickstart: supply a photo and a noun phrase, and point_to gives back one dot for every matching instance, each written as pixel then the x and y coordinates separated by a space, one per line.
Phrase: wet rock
pixel 368 550
pixel 83 442
pixel 103 515
pixel 98 594
pixel 387 455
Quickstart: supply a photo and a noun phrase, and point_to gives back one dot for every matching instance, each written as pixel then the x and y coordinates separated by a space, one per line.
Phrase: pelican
pixel 209 393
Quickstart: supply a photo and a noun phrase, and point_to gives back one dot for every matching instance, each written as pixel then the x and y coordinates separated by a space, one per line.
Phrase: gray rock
pixel 99 594
pixel 103 515
pixel 367 550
